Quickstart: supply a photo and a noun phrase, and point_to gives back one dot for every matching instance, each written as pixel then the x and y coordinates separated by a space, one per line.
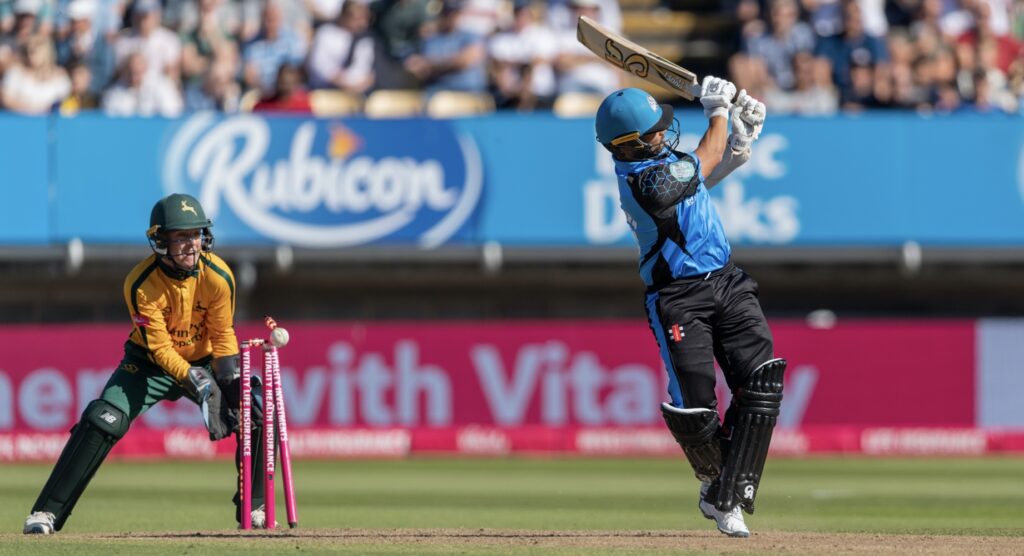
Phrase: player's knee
pixel 107 418
pixel 762 392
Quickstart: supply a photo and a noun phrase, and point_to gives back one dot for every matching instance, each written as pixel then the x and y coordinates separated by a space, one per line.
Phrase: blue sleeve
pixel 659 186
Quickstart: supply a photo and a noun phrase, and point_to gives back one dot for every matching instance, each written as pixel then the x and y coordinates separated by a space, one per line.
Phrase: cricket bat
pixel 633 58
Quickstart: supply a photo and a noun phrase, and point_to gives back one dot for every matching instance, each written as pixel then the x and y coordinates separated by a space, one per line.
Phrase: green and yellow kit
pixel 182 321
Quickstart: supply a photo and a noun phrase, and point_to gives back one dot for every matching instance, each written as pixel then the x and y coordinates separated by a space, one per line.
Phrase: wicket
pixel 273 409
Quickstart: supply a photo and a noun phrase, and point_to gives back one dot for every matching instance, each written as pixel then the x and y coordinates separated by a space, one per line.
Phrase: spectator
pixel 25 27
pixel 826 16
pixel 967 65
pixel 160 47
pixel 901 71
pixel 288 96
pixel 852 47
pixel 275 46
pixel 983 103
pixel 770 52
pixel 449 58
pixel 1015 82
pixel 578 70
pixel 398 23
pixel 900 13
pixel 481 17
pixel 211 38
pixel 325 11
pixel 217 91
pixel 341 56
pixel 929 20
pixel 857 95
pixel 997 86
pixel 813 93
pixel 36 83
pixel 83 45
pixel 562 16
pixel 82 96
pixel 873 15
pixel 1007 49
pixel 232 16
pixel 141 92
pixel 522 63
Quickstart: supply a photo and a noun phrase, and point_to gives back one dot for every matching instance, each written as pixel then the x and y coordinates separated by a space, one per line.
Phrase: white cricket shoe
pixel 259 518
pixel 731 522
pixel 39 523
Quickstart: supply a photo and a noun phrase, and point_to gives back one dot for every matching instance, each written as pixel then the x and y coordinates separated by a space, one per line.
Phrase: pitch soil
pixel 504 540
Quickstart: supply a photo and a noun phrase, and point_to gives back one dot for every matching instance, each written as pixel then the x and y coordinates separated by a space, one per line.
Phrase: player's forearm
pixel 712 145
pixel 171 362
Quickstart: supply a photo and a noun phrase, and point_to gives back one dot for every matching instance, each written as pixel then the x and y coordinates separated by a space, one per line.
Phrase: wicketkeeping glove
pixel 716 96
pixel 203 389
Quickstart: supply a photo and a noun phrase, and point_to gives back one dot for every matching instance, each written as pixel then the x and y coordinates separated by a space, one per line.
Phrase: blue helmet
pixel 629 113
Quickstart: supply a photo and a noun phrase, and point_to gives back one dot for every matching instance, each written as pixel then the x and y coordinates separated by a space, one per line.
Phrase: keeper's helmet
pixel 627 115
pixel 177 212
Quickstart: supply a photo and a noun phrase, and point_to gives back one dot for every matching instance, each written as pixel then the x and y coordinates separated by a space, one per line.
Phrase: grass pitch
pixel 550 506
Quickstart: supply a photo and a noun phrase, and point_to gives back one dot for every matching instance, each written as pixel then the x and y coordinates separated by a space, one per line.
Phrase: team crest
pixel 185 207
pixel 682 170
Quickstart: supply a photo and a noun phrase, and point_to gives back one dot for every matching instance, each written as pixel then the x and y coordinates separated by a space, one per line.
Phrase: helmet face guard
pixel 178 212
pixel 633 147
pixel 626 116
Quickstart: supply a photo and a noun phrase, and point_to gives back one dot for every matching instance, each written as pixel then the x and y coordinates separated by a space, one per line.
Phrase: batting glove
pixel 747 118
pixel 716 96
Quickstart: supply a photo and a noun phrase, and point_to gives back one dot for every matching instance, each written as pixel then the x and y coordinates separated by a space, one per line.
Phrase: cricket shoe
pixel 39 523
pixel 730 522
pixel 259 518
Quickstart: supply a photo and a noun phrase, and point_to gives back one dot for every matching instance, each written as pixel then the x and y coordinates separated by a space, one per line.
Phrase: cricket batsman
pixel 700 306
pixel 182 303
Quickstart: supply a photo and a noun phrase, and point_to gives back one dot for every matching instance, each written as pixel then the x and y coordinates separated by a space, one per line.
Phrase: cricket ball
pixel 279 337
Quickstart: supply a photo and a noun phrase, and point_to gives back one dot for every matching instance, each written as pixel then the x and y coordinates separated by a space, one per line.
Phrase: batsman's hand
pixel 747 118
pixel 716 96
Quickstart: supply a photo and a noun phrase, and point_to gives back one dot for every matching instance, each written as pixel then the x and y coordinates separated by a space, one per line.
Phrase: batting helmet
pixel 628 114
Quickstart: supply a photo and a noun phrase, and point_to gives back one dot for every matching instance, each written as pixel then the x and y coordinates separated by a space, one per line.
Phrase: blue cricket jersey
pixel 669 210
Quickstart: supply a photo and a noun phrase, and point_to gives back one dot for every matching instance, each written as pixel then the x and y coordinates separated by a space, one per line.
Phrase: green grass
pixel 912 496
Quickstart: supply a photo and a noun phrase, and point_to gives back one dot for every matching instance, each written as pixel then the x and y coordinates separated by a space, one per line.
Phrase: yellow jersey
pixel 178 321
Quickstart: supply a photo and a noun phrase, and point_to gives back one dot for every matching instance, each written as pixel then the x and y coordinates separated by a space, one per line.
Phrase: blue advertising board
pixel 25 175
pixel 522 180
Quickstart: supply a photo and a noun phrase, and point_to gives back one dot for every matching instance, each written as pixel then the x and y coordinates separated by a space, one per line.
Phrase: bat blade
pixel 633 58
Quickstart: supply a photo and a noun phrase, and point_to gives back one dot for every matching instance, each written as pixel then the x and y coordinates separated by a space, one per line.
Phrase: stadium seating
pixel 455 104
pixel 331 102
pixel 576 105
pixel 393 103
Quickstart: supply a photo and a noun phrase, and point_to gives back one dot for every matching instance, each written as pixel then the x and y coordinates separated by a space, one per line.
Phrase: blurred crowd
pixel 153 57
pixel 820 56
pixel 166 57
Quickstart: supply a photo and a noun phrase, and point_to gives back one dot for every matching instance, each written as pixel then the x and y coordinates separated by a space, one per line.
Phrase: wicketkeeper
pixel 182 303
pixel 701 307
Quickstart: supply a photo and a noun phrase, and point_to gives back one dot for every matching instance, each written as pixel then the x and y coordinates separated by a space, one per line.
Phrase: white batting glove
pixel 747 118
pixel 716 96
